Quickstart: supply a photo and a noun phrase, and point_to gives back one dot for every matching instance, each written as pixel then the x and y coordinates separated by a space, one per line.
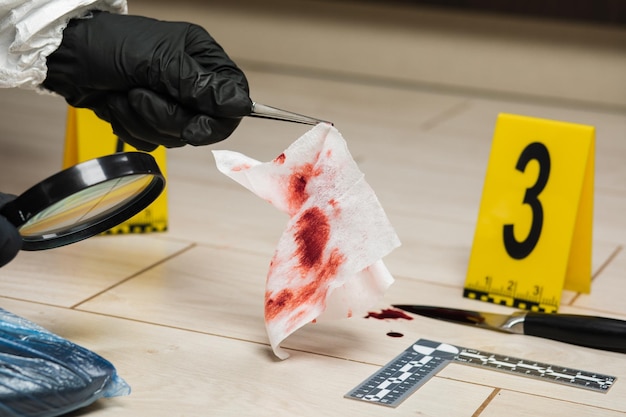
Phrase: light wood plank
pixel 177 372
pixel 68 275
pixel 608 288
pixel 417 45
pixel 220 291
pixel 508 403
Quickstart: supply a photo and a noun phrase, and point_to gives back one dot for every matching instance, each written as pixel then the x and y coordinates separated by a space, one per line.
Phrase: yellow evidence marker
pixel 88 137
pixel 533 236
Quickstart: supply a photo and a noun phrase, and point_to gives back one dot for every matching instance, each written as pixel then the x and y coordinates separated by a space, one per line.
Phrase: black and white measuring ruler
pixel 398 379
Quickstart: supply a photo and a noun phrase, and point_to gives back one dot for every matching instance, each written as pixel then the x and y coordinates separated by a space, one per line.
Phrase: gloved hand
pixel 156 82
pixel 10 239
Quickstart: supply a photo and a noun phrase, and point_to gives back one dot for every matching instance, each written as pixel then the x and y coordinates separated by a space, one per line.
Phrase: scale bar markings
pixel 404 374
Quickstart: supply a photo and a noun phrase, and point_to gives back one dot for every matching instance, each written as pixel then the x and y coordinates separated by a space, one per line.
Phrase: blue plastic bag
pixel 44 375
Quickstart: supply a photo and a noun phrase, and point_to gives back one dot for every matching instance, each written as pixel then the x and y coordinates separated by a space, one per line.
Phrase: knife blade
pixel 589 331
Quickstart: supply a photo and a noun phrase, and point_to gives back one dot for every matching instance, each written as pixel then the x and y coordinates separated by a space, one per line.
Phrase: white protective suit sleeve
pixel 30 30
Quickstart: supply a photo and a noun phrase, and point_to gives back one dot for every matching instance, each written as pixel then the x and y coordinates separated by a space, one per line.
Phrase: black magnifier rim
pixel 75 179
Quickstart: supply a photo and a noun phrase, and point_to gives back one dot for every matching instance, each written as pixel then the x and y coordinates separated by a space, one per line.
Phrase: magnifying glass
pixel 85 200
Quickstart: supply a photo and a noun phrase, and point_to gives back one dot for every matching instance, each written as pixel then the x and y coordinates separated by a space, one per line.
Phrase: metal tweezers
pixel 267 112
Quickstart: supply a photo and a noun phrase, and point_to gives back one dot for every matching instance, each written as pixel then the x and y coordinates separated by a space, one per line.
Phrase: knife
pixel 589 331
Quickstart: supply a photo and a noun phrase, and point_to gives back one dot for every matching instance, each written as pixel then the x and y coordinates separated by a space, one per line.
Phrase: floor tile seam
pixel 598 272
pixel 445 115
pixel 77 309
pixel 165 325
pixel 211 334
pixel 133 275
pixel 486 403
pixel 612 256
pixel 498 390
pixel 425 86
pixel 369 363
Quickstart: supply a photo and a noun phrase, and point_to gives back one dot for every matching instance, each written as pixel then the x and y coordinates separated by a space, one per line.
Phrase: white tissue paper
pixel 328 262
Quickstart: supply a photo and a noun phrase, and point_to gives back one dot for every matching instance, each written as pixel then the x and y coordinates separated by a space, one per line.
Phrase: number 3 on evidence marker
pixel 519 250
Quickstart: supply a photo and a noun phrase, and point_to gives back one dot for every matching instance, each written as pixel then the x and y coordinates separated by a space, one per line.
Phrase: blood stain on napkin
pixel 328 262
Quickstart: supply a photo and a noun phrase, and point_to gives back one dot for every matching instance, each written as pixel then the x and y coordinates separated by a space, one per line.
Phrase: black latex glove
pixel 10 239
pixel 157 83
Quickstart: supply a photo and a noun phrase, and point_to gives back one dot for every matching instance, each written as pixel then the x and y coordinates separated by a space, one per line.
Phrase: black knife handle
pixel 589 331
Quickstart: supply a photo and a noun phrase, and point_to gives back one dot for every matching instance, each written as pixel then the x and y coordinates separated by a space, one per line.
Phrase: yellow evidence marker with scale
pixel 88 137
pixel 533 236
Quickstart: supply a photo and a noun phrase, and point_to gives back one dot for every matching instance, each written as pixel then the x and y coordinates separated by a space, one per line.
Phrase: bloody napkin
pixel 328 262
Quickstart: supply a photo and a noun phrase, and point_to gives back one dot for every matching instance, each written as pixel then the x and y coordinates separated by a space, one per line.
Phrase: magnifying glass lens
pixel 85 207
pixel 84 200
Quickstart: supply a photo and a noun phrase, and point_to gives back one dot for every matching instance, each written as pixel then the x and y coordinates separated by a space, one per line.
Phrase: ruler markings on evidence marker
pixel 404 374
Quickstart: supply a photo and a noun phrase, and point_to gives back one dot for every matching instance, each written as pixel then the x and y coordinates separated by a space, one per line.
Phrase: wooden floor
pixel 180 313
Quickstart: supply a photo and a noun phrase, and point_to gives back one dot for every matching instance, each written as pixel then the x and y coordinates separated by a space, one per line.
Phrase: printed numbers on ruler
pixel 533 233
